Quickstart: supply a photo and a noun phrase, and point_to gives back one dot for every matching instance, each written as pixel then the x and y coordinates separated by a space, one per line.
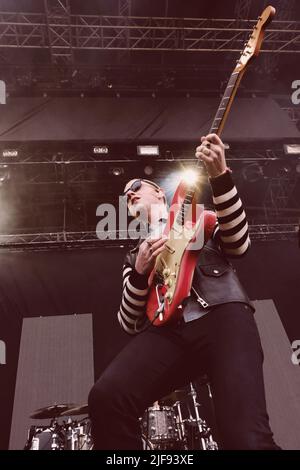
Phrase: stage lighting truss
pixel 95 32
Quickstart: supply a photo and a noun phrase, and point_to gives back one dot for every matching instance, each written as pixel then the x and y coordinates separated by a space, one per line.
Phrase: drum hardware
pixel 52 411
pixel 175 423
pixel 67 435
pixel 159 426
pixel 172 423
pixel 50 437
pixel 76 410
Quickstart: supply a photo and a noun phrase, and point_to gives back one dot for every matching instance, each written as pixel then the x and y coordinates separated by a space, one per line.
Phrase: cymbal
pixel 76 411
pixel 170 399
pixel 52 411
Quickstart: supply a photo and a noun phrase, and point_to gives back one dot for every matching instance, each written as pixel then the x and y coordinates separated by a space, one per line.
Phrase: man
pixel 217 334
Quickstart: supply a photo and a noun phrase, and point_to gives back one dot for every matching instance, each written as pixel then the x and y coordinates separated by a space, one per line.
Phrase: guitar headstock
pixel 254 43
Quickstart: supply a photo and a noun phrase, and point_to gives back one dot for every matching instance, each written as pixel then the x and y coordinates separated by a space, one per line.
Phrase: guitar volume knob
pixel 166 272
pixel 169 296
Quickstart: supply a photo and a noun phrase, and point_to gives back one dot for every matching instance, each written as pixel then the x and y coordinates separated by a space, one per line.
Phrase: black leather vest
pixel 215 280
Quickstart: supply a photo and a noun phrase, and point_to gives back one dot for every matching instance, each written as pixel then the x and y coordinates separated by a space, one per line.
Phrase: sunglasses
pixel 136 185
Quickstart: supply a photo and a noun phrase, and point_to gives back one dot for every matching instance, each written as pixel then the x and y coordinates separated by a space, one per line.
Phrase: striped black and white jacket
pixel 231 233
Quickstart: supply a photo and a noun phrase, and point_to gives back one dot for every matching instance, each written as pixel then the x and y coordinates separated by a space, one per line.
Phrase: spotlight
pixel 190 176
pixel 253 172
pixel 116 171
pixel 292 149
pixel 10 153
pixel 4 174
pixel 169 155
pixel 100 150
pixel 148 150
pixel 148 170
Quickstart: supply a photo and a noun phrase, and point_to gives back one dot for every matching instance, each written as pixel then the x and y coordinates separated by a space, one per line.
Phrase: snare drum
pixel 159 424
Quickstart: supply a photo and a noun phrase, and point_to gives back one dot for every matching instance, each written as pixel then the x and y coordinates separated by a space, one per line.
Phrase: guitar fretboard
pixel 230 89
pixel 229 92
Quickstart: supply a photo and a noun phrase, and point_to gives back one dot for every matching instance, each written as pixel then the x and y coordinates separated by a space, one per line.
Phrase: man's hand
pixel 147 254
pixel 212 153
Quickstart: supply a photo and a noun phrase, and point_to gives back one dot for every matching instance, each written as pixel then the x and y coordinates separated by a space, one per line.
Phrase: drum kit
pixel 64 432
pixel 172 423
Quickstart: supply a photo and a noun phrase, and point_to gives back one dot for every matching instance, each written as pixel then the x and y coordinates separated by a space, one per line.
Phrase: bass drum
pixel 44 438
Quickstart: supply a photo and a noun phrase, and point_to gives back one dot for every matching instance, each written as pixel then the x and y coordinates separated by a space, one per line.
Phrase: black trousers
pixel 224 344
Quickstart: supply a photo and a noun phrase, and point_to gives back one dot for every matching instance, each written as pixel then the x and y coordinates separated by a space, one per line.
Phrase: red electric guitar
pixel 171 279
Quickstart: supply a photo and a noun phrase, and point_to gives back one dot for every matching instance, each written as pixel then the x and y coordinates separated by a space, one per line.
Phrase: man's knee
pixel 100 398
pixel 107 398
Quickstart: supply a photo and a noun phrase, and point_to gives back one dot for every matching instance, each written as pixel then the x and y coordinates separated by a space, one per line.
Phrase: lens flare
pixel 189 176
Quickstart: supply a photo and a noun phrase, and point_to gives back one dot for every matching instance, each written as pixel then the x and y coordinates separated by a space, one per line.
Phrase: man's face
pixel 143 200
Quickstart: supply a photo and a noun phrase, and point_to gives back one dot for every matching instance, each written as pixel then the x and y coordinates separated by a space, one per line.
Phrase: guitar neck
pixel 216 128
pixel 252 49
pixel 226 102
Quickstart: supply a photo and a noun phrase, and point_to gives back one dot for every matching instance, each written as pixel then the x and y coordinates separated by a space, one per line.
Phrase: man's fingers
pixel 149 242
pixel 158 243
pixel 213 151
pixel 157 251
pixel 204 158
pixel 214 138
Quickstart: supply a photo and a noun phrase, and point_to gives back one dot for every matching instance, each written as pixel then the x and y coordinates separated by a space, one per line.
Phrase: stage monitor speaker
pixel 282 377
pixel 55 366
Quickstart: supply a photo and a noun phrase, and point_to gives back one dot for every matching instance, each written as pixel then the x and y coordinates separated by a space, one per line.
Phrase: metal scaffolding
pixel 59 31
pixel 284 13
pixel 279 191
pixel 92 239
pixel 242 9
pixel 124 7
pixel 66 33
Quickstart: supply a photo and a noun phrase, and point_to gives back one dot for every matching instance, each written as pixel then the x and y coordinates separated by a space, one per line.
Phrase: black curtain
pixel 105 120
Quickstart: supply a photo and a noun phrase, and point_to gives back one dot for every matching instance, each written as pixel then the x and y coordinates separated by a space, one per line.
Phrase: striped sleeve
pixel 132 311
pixel 232 227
